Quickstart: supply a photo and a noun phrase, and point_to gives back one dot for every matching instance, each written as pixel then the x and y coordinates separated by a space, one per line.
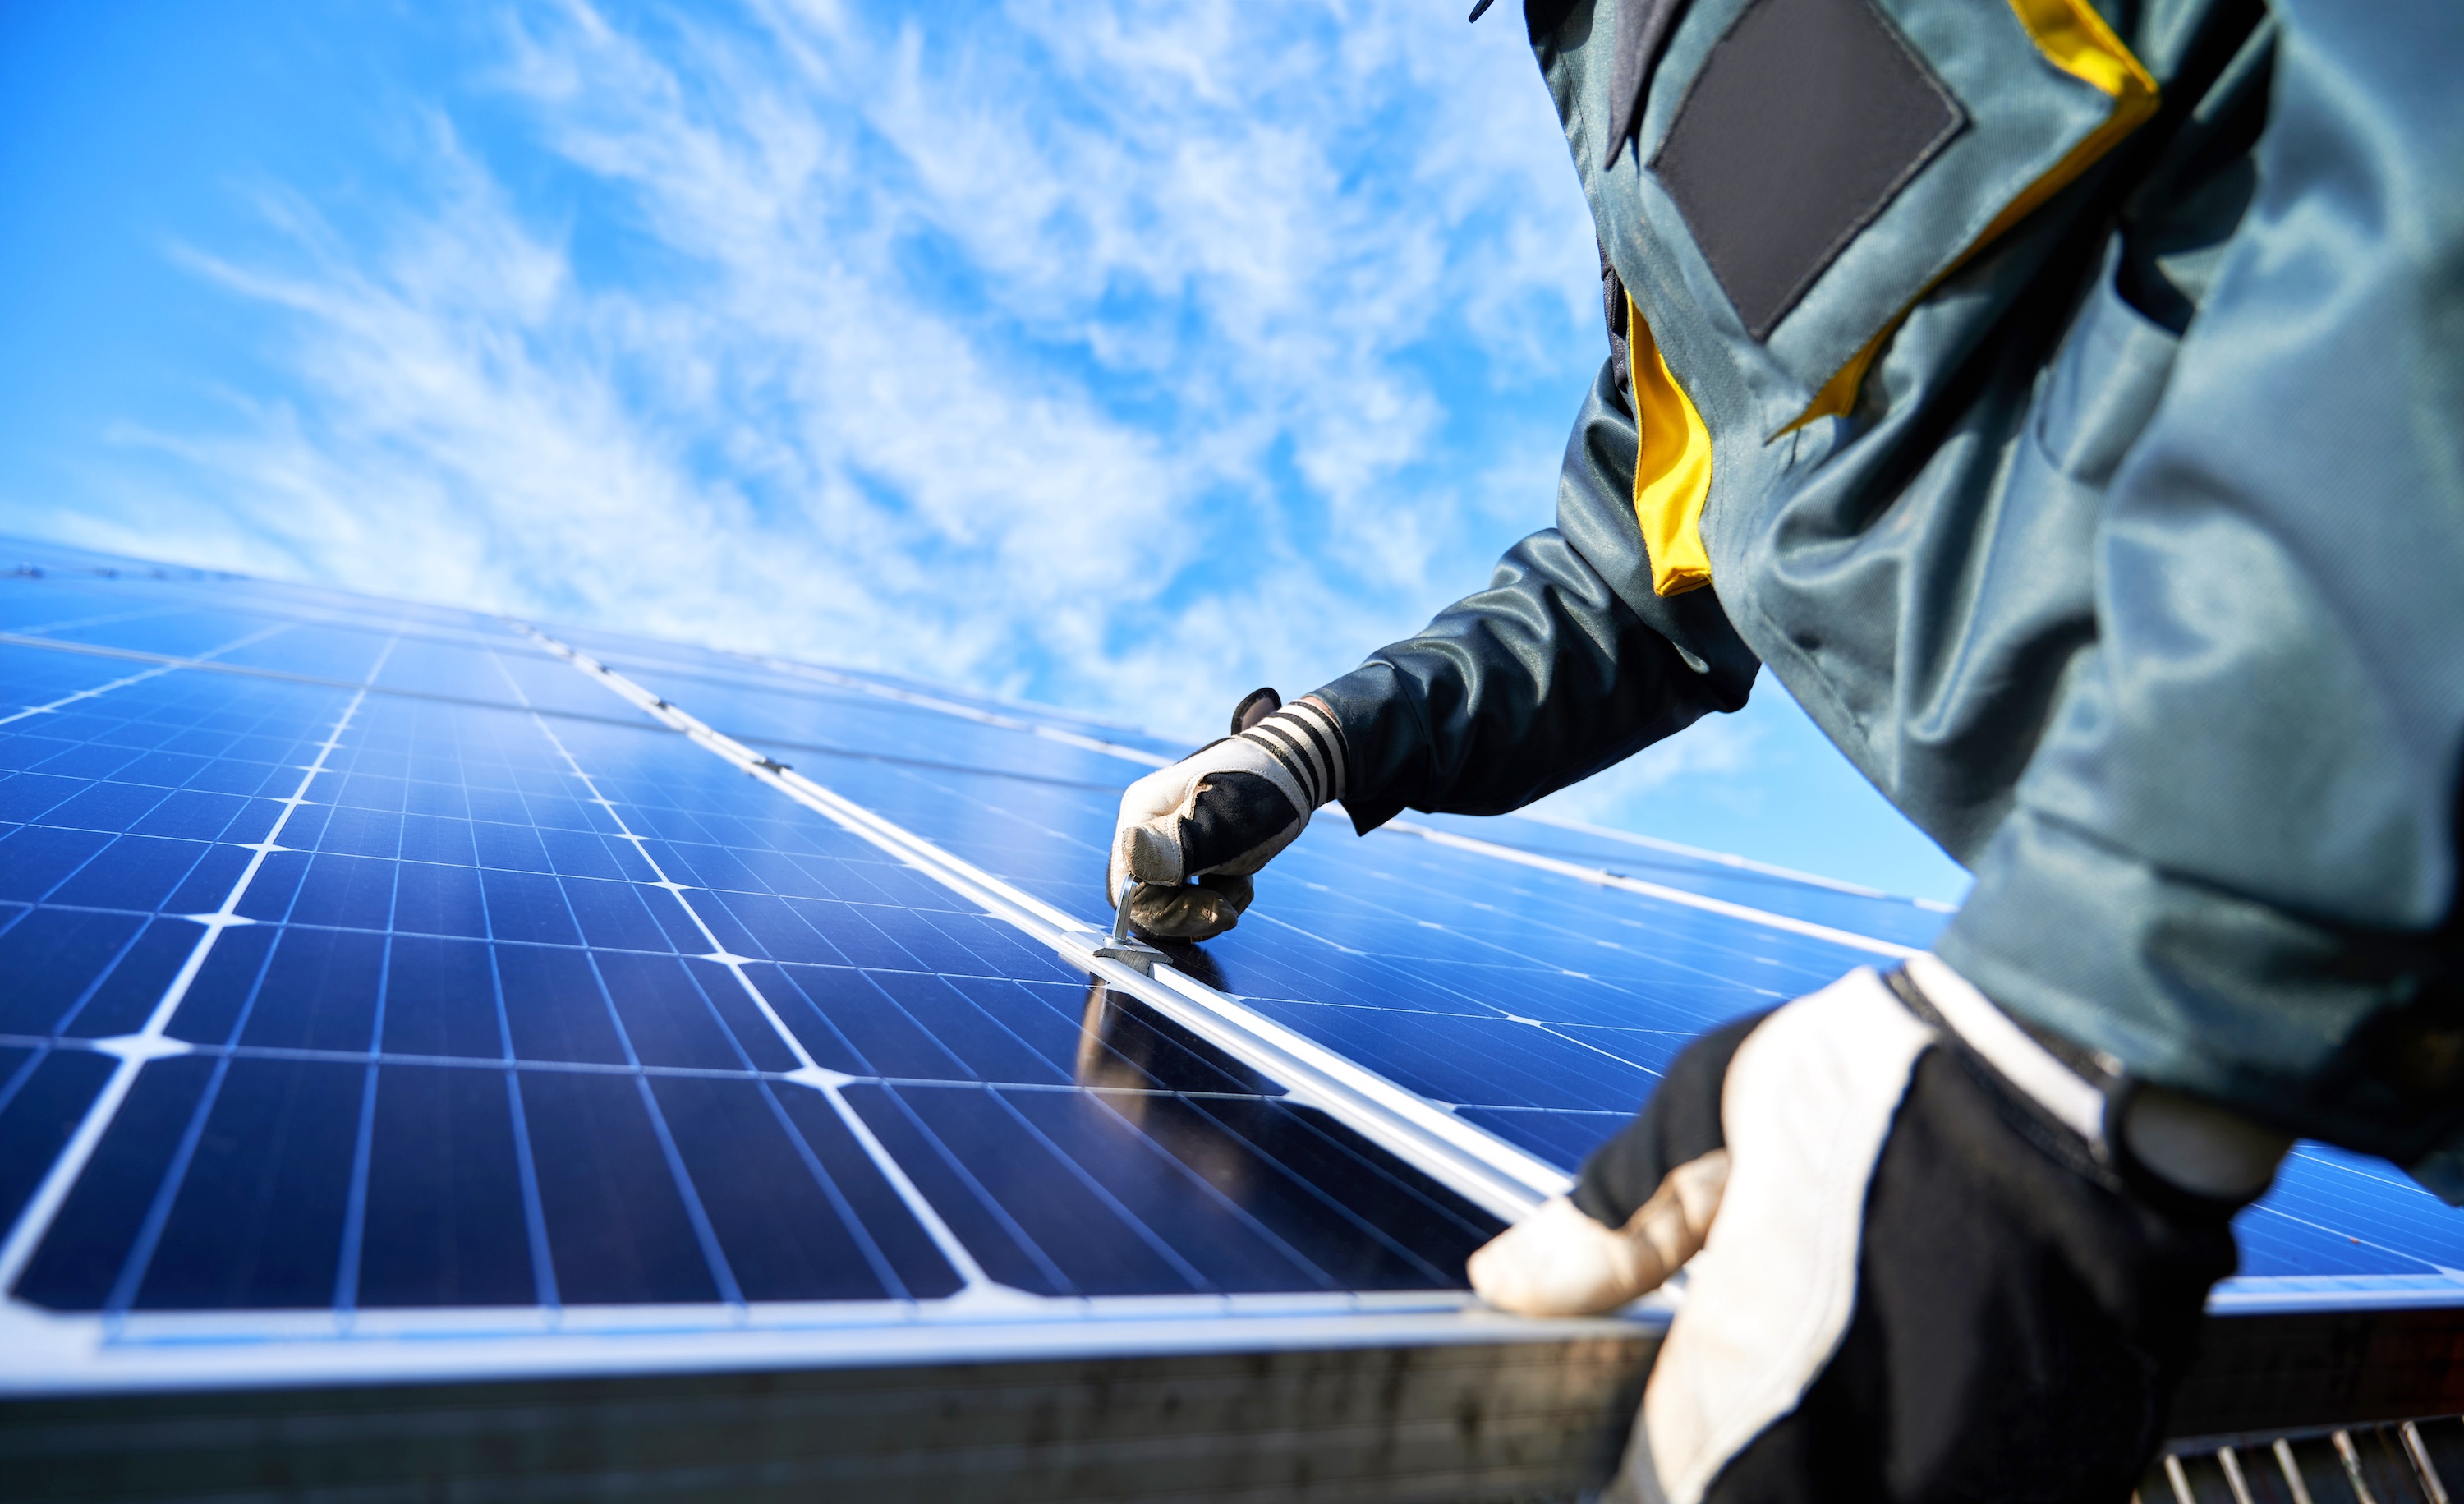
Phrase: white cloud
pixel 1124 354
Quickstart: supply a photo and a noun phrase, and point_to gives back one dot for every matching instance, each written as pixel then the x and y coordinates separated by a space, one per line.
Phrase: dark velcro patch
pixel 1804 120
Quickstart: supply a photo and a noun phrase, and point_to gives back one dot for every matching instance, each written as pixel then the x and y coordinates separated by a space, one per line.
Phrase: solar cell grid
pixel 459 983
pixel 452 886
pixel 1542 1009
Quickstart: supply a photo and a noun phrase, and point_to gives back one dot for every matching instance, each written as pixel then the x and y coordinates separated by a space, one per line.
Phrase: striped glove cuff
pixel 1305 739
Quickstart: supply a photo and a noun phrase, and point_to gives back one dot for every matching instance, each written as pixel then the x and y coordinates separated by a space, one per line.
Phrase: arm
pixel 1565 664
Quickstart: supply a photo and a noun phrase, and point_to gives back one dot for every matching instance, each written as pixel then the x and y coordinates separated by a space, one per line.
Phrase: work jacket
pixel 2067 404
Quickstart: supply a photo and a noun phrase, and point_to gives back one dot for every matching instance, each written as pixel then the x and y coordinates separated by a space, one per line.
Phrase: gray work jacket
pixel 2068 406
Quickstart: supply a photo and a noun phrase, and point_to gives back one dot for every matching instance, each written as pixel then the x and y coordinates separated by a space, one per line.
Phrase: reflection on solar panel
pixel 392 992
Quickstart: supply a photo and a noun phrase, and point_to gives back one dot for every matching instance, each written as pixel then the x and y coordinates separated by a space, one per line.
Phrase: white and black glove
pixel 1563 1261
pixel 1941 1256
pixel 1193 834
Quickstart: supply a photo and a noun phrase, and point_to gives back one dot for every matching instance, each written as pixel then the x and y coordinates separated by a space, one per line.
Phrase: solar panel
pixel 372 972
pixel 355 1000
pixel 1532 977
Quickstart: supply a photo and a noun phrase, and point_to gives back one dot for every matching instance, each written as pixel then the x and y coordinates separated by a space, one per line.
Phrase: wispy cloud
pixel 1122 354
pixel 1125 355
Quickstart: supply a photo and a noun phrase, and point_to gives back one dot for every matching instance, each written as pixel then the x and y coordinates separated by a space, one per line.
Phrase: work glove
pixel 1945 1257
pixel 1562 1261
pixel 1193 834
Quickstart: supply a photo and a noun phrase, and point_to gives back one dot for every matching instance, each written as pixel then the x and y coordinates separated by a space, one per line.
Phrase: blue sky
pixel 1123 356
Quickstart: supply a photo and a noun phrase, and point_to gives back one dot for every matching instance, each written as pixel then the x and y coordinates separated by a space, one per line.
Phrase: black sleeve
pixel 1567 663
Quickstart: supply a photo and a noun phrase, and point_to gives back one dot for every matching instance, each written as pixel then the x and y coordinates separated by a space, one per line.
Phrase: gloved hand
pixel 1220 814
pixel 1946 1260
pixel 1561 1261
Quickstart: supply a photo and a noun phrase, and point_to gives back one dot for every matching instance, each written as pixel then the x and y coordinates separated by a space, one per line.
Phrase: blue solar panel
pixel 361 960
pixel 1534 1003
pixel 459 1040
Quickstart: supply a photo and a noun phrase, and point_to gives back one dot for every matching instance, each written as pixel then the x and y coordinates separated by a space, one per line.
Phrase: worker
pixel 2065 399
